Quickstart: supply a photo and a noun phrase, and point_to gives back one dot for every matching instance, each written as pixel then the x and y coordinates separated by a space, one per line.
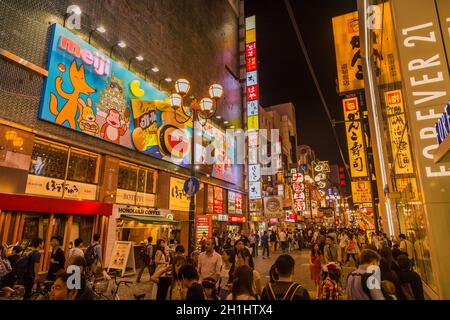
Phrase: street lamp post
pixel 204 110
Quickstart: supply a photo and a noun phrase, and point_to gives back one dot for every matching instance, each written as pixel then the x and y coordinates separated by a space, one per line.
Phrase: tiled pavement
pixel 302 274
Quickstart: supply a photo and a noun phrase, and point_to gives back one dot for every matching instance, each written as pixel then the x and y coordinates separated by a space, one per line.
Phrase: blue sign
pixel 191 186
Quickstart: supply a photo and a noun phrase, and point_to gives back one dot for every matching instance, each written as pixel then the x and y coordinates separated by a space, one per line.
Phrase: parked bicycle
pixel 42 291
pixel 108 288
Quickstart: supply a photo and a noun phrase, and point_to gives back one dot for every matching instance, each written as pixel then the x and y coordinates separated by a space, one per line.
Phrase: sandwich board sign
pixel 122 258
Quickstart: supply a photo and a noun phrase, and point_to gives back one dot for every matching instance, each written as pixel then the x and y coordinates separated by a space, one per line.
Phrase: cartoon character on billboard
pixel 87 123
pixel 68 112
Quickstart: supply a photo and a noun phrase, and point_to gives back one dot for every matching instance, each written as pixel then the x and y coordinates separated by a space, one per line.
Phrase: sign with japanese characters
pixel 239 201
pixel 361 192
pixel 254 190
pixel 231 202
pixel 401 146
pixel 348 49
pixel 178 200
pixel 44 186
pixel 218 200
pixel 355 143
pixel 254 172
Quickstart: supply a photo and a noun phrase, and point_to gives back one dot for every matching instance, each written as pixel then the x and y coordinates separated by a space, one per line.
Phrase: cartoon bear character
pixel 86 121
pixel 113 128
pixel 69 110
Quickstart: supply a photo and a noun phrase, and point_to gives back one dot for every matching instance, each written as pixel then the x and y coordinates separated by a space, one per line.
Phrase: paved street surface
pixel 302 275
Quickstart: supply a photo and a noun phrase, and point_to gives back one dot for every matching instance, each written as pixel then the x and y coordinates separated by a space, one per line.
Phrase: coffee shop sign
pixel 142 211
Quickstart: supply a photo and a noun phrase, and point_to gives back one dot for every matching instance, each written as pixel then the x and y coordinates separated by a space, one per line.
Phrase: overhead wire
pixel 316 82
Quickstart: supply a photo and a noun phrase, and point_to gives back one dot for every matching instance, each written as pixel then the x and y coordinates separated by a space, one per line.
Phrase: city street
pixel 302 275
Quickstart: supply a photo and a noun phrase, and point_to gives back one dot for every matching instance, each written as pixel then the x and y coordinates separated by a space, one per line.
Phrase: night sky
pixel 284 74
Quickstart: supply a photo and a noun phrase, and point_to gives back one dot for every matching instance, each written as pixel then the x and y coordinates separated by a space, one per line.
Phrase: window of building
pixel 83 166
pixel 135 178
pixel 35 226
pixel 49 159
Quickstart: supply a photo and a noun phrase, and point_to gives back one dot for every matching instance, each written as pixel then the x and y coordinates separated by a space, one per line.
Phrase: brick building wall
pixel 195 39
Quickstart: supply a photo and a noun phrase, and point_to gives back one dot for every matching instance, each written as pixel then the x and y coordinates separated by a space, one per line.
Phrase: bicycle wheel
pixel 40 296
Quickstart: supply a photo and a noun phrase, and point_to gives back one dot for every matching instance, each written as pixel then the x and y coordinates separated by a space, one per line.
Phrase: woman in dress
pixel 315 265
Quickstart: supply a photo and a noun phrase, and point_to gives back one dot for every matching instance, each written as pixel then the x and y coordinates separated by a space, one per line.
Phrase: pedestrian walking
pixel 93 256
pixel 410 282
pixel 161 261
pixel 352 250
pixel 77 251
pixel 315 265
pixel 228 260
pixel 209 262
pixel 284 288
pixel 191 289
pixel 244 257
pixel 330 250
pixel 242 288
pixel 273 241
pixel 357 283
pixel 31 275
pixel 265 244
pixel 407 247
pixel 146 255
pixel 57 258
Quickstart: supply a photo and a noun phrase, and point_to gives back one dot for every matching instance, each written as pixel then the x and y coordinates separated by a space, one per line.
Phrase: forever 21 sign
pixel 427 86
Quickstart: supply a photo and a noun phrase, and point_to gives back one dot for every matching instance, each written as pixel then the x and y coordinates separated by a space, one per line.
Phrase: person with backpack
pixel 11 278
pixel 27 267
pixel 5 266
pixel 77 251
pixel 146 254
pixel 358 281
pixel 57 258
pixel 284 288
pixel 93 256
pixel 410 282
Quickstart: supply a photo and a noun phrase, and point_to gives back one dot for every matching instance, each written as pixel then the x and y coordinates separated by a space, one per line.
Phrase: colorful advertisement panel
pixel 239 203
pixel 203 229
pixel 88 92
pixel 355 143
pixel 218 200
pixel 231 202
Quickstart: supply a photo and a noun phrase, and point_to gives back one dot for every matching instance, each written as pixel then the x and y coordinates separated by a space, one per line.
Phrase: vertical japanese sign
pixel 401 148
pixel 178 200
pixel 299 192
pixel 348 49
pixel 252 98
pixel 239 203
pixel 203 229
pixel 356 151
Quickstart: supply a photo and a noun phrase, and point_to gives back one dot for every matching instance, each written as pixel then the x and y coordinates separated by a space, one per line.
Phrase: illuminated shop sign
pixel 355 143
pixel 443 125
pixel 252 98
pixel 234 219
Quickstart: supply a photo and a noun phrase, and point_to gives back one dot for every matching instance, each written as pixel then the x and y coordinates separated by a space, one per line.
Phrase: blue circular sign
pixel 191 186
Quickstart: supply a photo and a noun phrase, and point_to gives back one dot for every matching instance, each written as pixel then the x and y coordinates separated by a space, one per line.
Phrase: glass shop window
pixel 83 166
pixel 35 226
pixel 82 227
pixel 134 178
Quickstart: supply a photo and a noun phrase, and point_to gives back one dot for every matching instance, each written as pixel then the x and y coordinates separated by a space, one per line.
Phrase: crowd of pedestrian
pixel 20 266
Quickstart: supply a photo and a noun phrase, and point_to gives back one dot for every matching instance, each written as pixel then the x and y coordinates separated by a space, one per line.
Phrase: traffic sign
pixel 191 186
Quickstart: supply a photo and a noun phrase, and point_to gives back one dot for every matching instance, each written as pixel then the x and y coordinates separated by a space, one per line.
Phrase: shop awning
pixel 148 219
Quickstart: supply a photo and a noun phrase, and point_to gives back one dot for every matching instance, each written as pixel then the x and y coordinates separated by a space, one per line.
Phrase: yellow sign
pixel 253 123
pixel 355 143
pixel 250 36
pixel 178 200
pixel 401 146
pixel 361 192
pixel 408 185
pixel 349 55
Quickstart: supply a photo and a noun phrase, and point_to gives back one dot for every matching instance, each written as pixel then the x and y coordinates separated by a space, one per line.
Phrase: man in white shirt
pixel 77 251
pixel 209 262
pixel 283 240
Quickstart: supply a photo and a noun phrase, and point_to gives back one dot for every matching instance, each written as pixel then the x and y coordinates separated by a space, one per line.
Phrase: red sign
pixel 291 216
pixel 218 200
pixel 203 224
pixel 238 203
pixel 252 93
pixel 235 219
pixel 351 105
pixel 274 220
pixel 251 64
pixel 250 50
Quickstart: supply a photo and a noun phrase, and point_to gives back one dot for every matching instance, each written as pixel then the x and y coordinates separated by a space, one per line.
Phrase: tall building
pixel 406 84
